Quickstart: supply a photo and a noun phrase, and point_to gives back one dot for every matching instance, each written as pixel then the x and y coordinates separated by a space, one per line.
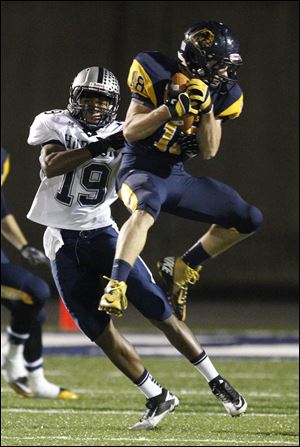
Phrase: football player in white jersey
pixel 79 160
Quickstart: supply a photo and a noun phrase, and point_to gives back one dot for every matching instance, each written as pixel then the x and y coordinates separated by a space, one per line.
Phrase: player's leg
pixel 156 308
pixel 76 271
pixel 142 193
pixel 160 401
pixel 33 355
pixel 24 295
pixel 207 200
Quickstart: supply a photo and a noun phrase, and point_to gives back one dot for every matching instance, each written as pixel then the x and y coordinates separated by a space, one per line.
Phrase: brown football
pixel 179 81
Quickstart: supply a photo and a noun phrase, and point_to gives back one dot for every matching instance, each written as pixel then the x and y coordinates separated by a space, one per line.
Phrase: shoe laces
pixel 191 276
pixel 115 286
pixel 225 392
pixel 116 292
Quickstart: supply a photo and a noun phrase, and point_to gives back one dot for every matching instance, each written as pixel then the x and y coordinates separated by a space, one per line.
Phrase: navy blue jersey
pixel 148 77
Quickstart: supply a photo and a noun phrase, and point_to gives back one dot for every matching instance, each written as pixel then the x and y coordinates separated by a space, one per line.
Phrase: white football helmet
pixel 94 81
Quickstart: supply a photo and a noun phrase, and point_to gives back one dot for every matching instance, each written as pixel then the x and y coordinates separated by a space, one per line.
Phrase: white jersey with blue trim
pixel 81 199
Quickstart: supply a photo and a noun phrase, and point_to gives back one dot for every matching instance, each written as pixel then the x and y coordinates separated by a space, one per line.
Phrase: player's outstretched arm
pixel 142 121
pixel 56 160
pixel 12 232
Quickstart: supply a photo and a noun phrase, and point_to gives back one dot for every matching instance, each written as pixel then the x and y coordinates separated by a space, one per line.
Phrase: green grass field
pixel 109 403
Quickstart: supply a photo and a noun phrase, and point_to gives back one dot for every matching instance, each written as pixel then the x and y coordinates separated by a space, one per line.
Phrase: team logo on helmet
pixel 204 38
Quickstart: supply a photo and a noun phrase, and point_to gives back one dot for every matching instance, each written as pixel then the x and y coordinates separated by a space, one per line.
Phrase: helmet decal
pixel 203 38
pixel 210 51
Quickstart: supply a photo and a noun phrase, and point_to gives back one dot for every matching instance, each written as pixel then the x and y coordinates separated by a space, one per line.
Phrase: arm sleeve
pixel 41 130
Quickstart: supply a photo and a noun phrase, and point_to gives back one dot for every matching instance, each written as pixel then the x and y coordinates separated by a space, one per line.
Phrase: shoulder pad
pixel 148 76
pixel 230 104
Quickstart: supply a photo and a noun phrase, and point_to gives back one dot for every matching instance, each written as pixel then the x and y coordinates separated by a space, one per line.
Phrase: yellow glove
pixel 199 95
pixel 181 105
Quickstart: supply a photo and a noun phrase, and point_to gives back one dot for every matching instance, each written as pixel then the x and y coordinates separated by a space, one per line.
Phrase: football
pixel 178 82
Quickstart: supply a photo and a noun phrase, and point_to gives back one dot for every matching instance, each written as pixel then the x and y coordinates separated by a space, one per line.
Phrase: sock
pixel 120 270
pixel 16 338
pixel 195 255
pixel 205 366
pixel 40 385
pixel 32 366
pixel 148 385
pixel 33 346
pixel 13 362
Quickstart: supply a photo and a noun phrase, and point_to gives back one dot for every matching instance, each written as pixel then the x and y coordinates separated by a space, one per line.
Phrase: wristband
pixel 98 148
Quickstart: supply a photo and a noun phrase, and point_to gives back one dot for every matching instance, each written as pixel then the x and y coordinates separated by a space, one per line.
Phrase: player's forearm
pixel 58 163
pixel 142 125
pixel 12 232
pixel 209 136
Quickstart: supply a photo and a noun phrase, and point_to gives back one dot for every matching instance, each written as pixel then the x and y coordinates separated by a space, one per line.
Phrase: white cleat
pixel 233 402
pixel 158 407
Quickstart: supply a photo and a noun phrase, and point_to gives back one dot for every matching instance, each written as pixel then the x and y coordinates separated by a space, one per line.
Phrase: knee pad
pixel 142 198
pixel 41 316
pixel 40 292
pixel 250 220
pixel 150 202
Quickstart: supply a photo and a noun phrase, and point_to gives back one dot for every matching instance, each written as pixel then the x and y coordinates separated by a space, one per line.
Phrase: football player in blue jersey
pixel 24 295
pixel 152 177
pixel 80 158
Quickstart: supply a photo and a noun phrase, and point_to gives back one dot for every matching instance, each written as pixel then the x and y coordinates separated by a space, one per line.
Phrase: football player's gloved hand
pixel 116 141
pixel 33 255
pixel 179 104
pixel 189 146
pixel 199 95
pixel 101 147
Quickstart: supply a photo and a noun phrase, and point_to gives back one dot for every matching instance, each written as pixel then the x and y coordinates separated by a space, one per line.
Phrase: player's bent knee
pixel 40 292
pixel 251 220
pixel 41 317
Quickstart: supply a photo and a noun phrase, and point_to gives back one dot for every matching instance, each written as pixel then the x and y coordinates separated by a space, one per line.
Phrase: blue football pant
pixel 78 269
pixel 197 198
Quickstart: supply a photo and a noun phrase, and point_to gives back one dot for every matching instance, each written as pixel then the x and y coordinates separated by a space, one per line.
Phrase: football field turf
pixel 109 404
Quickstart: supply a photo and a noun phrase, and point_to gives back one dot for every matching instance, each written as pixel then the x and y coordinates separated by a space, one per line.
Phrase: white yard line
pixel 132 412
pixel 197 441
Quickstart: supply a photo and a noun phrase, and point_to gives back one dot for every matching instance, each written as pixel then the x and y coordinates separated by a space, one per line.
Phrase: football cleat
pixel 66 394
pixel 21 387
pixel 177 275
pixel 48 390
pixel 158 407
pixel 234 403
pixel 14 372
pixel 114 300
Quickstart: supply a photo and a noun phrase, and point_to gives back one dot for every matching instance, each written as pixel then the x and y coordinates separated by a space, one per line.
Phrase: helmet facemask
pixel 100 84
pixel 107 112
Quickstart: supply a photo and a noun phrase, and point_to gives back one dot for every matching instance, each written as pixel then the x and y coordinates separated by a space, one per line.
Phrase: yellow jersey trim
pixel 12 294
pixel 234 110
pixel 128 197
pixel 6 168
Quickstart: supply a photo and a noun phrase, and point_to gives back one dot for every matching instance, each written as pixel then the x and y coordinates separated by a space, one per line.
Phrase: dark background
pixel 45 44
